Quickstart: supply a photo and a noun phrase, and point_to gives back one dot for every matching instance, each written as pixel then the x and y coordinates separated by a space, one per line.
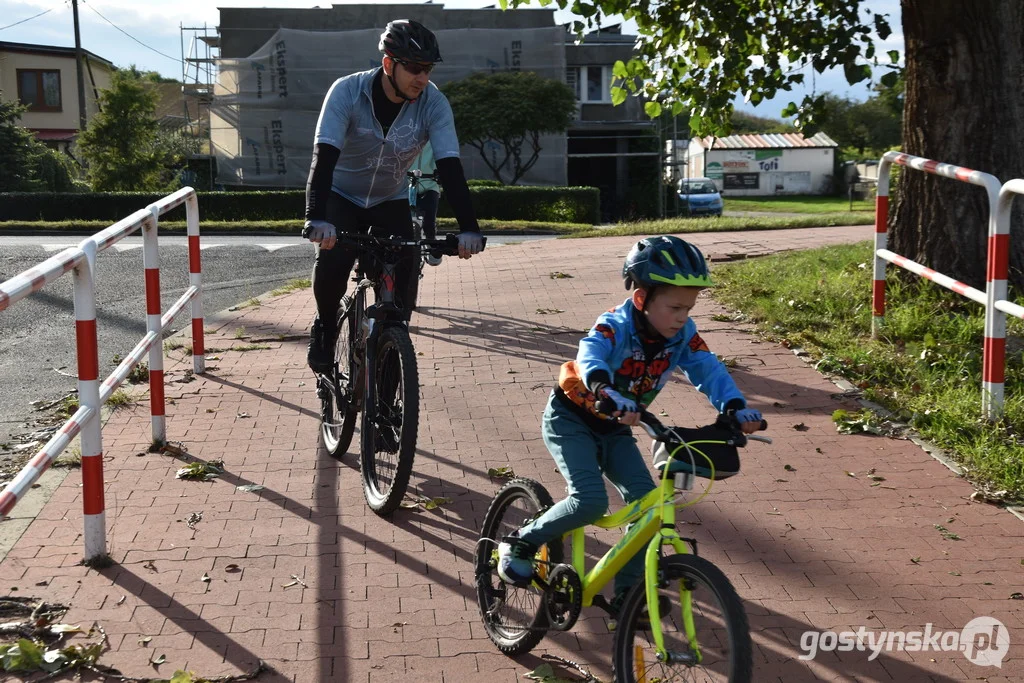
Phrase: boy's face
pixel 670 309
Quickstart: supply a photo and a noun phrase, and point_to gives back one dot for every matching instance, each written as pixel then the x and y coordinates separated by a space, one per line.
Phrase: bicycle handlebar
pixel 447 245
pixel 659 432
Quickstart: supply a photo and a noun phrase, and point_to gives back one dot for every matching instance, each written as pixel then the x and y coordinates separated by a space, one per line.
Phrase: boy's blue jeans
pixel 583 456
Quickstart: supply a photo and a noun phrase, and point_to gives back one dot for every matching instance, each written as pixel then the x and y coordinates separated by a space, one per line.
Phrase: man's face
pixel 412 84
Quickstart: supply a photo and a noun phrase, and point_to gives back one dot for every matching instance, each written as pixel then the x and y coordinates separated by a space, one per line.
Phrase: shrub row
pixel 552 204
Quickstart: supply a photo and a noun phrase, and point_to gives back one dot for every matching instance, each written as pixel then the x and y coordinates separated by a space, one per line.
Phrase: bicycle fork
pixel 667 536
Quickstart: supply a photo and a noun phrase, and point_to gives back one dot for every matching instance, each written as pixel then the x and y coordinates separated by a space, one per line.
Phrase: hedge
pixel 552 204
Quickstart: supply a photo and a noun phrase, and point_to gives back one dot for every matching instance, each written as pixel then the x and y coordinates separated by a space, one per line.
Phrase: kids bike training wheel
pixel 390 421
pixel 514 618
pixel 338 412
pixel 723 651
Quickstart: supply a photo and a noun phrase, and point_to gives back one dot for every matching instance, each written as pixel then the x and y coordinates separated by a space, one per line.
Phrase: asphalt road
pixel 37 334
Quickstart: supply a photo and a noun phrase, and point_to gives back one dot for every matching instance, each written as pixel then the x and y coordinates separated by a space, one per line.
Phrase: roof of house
pixel 49 50
pixel 768 141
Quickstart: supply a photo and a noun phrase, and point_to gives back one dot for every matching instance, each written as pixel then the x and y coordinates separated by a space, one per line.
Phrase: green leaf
pixel 894 56
pixel 500 472
pixel 436 503
pixel 619 69
pixel 652 109
pixel 32 653
pixel 890 79
pixel 618 95
pixel 542 673
pixel 703 56
pixel 882 26
pixel 855 73
pixel 182 677
pixel 201 471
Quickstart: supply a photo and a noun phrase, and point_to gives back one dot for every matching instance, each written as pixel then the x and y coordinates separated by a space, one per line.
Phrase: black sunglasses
pixel 416 69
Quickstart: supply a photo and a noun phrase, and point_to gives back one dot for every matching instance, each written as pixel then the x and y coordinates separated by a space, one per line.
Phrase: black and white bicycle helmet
pixel 409 41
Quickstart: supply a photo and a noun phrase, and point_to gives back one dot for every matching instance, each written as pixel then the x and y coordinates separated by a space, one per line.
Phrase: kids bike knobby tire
pixel 497 600
pixel 736 660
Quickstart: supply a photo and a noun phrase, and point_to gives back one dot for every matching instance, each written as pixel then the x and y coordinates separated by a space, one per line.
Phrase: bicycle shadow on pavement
pixel 262 395
pixel 532 340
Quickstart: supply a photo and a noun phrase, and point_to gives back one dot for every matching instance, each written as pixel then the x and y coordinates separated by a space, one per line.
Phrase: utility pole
pixel 78 69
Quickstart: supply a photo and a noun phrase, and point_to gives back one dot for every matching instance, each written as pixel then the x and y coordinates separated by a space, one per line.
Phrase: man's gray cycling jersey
pixel 372 167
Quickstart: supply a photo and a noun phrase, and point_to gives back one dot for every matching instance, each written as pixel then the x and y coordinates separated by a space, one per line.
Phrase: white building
pixel 763 164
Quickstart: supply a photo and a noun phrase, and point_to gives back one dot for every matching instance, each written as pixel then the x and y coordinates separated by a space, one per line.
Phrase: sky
pixel 146 33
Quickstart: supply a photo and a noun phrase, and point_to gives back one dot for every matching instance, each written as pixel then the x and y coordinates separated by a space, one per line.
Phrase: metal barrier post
pixel 151 263
pixel 89 396
pixel 998 273
pixel 881 241
pixel 998 248
pixel 196 280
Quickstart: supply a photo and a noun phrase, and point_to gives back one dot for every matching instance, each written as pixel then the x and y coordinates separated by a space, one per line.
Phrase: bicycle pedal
pixel 602 602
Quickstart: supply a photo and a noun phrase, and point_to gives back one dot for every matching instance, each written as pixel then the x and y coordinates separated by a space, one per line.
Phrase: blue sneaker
pixel 515 561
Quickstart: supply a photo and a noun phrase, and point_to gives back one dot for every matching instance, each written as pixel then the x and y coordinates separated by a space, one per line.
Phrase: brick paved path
pixel 326 591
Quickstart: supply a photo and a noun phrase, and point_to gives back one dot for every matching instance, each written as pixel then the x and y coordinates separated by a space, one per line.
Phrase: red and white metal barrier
pixel 994 349
pixel 91 394
pixel 1001 264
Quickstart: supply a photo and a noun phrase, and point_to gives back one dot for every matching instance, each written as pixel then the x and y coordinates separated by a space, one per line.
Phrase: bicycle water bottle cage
pixel 724 456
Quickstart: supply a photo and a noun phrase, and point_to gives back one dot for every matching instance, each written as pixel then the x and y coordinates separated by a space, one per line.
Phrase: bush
pixel 485 182
pixel 551 204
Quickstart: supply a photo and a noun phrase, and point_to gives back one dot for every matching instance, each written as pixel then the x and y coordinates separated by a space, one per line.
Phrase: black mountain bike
pixel 374 372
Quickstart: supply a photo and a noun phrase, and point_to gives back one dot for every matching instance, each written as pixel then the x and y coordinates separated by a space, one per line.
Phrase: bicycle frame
pixel 655 520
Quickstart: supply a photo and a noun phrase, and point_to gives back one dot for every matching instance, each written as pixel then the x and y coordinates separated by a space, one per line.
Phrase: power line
pixel 89 5
pixel 29 19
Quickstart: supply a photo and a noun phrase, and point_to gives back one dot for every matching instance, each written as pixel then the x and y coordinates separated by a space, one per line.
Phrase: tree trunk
pixel 964 106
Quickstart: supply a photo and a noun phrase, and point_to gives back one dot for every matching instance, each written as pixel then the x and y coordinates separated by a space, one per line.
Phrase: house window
pixel 39 89
pixel 590 83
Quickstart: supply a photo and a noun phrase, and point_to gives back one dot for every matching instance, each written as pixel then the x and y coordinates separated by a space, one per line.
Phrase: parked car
pixel 699 197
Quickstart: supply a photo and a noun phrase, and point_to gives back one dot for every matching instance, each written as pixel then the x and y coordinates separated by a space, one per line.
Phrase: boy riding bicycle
pixel 624 361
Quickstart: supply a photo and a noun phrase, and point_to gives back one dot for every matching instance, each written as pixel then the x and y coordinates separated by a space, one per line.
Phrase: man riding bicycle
pixel 372 126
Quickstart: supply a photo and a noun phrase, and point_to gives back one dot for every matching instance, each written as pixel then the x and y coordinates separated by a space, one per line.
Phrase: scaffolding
pixel 200 50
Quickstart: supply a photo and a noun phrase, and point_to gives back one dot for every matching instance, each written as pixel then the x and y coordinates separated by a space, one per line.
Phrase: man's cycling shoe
pixel 319 354
pixel 515 561
pixel 432 260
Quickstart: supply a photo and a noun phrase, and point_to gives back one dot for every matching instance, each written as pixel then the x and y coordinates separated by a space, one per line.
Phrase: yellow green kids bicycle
pixel 683 622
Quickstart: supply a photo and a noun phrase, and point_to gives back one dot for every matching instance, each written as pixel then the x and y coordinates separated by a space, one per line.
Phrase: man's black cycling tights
pixel 333 267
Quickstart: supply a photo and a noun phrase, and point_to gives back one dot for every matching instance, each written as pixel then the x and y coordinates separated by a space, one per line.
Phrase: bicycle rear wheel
pixel 390 421
pixel 720 623
pixel 337 402
pixel 514 618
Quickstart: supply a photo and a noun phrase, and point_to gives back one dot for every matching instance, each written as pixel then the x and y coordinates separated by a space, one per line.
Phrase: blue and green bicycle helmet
pixel 665 260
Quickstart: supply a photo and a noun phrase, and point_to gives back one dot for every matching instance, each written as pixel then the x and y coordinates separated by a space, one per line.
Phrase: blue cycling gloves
pixel 748 415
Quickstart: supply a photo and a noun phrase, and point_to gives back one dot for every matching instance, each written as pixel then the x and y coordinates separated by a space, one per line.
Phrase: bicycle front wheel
pixel 390 421
pixel 338 409
pixel 720 650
